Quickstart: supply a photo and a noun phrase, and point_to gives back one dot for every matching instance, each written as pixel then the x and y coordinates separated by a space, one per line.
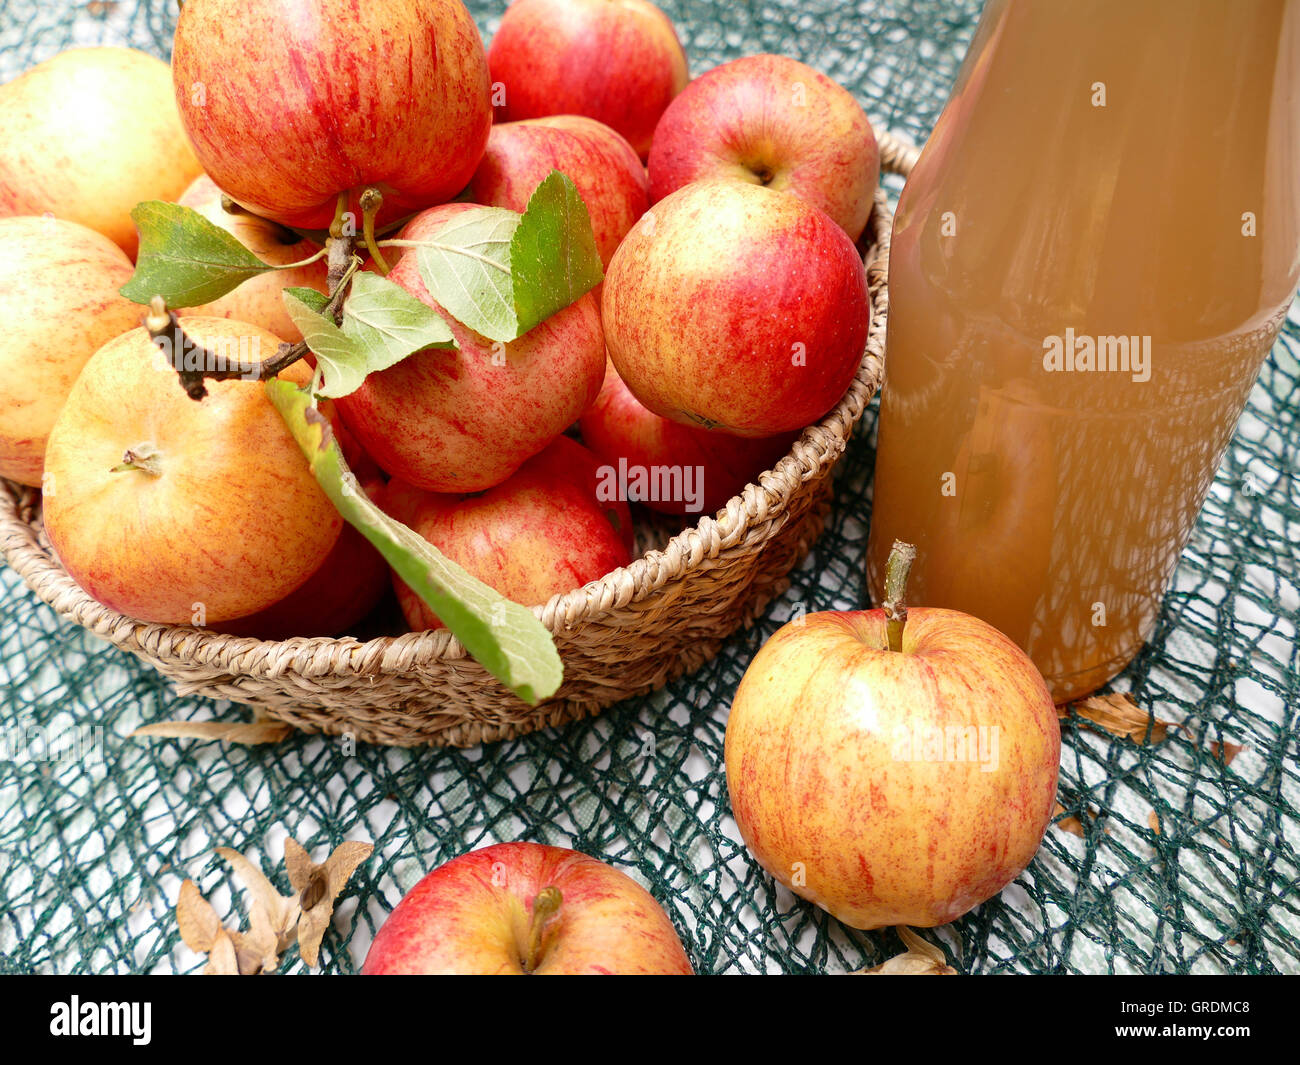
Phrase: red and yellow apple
pixel 392 95
pixel 180 512
pixel 449 420
pixel 59 303
pixel 892 787
pixel 603 166
pixel 619 429
pixel 258 300
pixel 523 908
pixel 617 61
pixel 541 533
pixel 771 121
pixel 87 135
pixel 733 307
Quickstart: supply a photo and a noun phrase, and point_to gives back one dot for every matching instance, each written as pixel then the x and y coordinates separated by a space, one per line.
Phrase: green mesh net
pixel 93 848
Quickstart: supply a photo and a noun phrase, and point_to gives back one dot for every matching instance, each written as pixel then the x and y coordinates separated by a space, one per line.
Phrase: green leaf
pixel 506 638
pixel 314 298
pixel 186 259
pixel 501 273
pixel 553 255
pixel 466 268
pixel 390 323
pixel 343 358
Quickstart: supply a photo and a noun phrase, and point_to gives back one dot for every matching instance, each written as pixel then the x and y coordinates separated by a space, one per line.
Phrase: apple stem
pixel 901 557
pixel 371 201
pixel 143 458
pixel 546 905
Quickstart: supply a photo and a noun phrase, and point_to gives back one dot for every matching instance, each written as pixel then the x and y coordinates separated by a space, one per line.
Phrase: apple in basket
pixel 603 166
pixel 540 533
pixel 618 62
pixel 523 908
pixel 733 307
pixel 179 512
pixel 893 772
pixel 771 121
pixel 345 96
pixel 463 420
pixel 87 135
pixel 59 301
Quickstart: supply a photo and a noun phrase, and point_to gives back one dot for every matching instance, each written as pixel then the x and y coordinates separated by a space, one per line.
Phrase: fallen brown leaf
pixel 248 733
pixel 1154 821
pixel 922 959
pixel 272 916
pixel 222 961
pixel 1119 715
pixel 1225 752
pixel 1072 824
pixel 198 921
pixel 318 887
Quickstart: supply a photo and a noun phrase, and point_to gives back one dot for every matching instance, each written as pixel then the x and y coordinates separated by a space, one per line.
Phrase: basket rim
pixel 818 447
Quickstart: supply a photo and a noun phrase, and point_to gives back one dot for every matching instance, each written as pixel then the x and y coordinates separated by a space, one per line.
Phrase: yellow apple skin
pixel 59 304
pixel 827 770
pixel 258 300
pixel 89 134
pixel 473 915
pixel 231 519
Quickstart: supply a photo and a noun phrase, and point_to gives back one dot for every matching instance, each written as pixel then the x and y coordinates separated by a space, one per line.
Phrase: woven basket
pixel 628 633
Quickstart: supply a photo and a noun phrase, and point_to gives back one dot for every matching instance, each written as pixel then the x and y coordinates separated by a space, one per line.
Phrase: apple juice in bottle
pixel 1090 262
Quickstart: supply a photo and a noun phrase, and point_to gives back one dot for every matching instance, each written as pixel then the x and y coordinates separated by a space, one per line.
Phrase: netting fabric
pixel 94 843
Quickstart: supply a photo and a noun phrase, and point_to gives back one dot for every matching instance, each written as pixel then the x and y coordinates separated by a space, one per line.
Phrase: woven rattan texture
pixel 94 843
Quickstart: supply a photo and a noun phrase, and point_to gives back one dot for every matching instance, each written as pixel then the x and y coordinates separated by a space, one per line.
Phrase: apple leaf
pixel 501 273
pixel 186 259
pixel 466 268
pixel 553 255
pixel 506 638
pixel 391 323
pixel 343 358
pixel 314 298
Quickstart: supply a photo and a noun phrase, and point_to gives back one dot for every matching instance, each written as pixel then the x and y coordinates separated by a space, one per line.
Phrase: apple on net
pixel 351 95
pixel 617 61
pixel 892 779
pixel 771 121
pixel 523 908
pixel 59 303
pixel 87 135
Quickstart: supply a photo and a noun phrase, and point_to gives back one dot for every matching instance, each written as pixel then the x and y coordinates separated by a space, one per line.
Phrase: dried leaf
pixel 222 961
pixel 248 733
pixel 922 959
pixel 270 914
pixel 1072 824
pixel 1225 752
pixel 1154 821
pixel 1117 714
pixel 198 921
pixel 256 950
pixel 318 887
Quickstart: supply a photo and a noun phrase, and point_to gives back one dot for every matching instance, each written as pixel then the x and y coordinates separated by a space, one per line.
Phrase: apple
pixel 566 459
pixel 617 61
pixel 892 778
pixel 772 121
pixel 180 512
pixel 449 420
pixel 59 303
pixel 87 135
pixel 522 908
pixel 393 95
pixel 607 172
pixel 734 307
pixel 709 467
pixel 259 299
pixel 539 534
